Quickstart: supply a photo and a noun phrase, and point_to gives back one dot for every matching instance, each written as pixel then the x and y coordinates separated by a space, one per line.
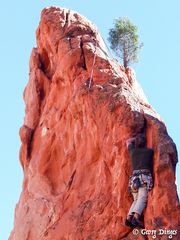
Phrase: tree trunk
pixel 125 63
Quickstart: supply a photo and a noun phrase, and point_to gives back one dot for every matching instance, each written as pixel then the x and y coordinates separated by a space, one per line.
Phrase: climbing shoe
pixel 128 223
pixel 137 223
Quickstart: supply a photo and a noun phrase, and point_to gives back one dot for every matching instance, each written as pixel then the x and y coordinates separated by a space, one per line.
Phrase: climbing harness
pixel 140 178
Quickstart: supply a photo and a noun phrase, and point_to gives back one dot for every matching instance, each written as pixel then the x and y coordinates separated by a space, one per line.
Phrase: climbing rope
pixel 94 60
pixel 109 51
pixel 111 57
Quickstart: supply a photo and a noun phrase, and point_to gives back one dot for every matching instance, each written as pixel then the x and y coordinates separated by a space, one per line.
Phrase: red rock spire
pixel 74 156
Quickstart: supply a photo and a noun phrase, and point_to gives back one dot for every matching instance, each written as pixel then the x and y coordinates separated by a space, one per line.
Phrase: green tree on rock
pixel 124 41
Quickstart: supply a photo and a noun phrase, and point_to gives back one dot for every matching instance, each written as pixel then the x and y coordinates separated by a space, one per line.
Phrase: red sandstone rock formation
pixel 76 165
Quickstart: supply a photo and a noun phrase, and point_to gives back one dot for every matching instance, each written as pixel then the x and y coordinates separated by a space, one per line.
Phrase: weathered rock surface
pixel 76 165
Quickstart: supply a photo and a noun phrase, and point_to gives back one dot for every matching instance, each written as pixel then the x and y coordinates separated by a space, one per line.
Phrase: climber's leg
pixel 141 201
pixel 130 213
pixel 139 206
pixel 131 210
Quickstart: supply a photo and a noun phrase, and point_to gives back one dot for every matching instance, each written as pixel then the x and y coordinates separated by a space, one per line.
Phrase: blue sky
pixel 157 71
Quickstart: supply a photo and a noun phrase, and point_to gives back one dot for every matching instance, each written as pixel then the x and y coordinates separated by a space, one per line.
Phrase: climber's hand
pixel 130 141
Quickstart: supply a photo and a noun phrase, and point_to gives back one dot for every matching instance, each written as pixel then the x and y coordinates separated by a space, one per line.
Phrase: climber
pixel 141 180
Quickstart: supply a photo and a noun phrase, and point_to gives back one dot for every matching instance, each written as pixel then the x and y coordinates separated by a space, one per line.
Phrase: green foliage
pixel 124 41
